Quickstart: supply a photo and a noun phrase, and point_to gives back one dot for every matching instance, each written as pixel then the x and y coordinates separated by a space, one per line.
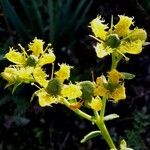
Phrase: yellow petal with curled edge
pixel 16 57
pixel 36 47
pixel 114 76
pixel 122 28
pixel 47 59
pixel 102 51
pixel 40 77
pixel 138 34
pixel 45 99
pixel 10 75
pixel 101 80
pixel 119 93
pixel 98 27
pixel 101 91
pixel 64 72
pixel 134 47
pixel 25 74
pixel 96 104
pixel 71 91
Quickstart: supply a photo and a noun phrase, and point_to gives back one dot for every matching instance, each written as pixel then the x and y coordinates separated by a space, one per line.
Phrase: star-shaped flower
pixel 119 38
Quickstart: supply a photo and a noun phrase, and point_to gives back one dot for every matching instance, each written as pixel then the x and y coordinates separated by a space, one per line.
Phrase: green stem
pixel 101 125
pixel 115 60
pixel 79 112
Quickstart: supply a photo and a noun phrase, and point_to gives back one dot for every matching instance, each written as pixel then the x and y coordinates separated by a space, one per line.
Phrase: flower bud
pixel 54 87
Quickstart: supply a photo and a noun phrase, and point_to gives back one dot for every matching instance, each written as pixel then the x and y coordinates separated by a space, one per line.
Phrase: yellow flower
pixel 36 47
pixel 122 27
pixel 119 39
pixel 119 93
pixel 98 27
pixel 37 58
pixel 114 76
pixel 40 76
pixel 15 57
pixel 45 99
pixel 17 75
pixel 64 72
pixel 51 93
pixel 113 88
pixel 96 104
pixel 71 91
pixel 9 75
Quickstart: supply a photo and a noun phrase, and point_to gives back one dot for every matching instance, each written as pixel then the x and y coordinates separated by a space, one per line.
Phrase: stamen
pixel 52 73
pixel 126 58
pixel 23 49
pixel 111 23
pixel 35 85
pixel 98 40
pixel 48 46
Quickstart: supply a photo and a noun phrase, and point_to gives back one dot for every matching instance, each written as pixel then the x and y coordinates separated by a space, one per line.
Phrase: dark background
pixel 64 23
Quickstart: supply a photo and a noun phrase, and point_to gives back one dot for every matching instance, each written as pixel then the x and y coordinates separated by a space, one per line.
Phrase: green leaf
pixel 128 76
pixel 111 117
pixel 90 136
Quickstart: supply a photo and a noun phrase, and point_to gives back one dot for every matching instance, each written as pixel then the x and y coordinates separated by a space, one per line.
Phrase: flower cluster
pixel 28 67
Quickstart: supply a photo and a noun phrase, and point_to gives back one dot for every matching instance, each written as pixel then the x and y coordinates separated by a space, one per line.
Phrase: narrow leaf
pixel 146 43
pixel 51 20
pixel 111 117
pixel 128 76
pixel 13 17
pixel 37 15
pixel 81 19
pixel 90 136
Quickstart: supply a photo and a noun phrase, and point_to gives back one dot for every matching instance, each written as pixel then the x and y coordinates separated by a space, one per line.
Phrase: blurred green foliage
pixel 135 136
pixel 52 20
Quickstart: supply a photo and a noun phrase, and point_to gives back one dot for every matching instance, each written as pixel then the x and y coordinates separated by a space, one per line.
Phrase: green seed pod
pixel 32 60
pixel 54 87
pixel 138 34
pixel 112 40
pixel 87 88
